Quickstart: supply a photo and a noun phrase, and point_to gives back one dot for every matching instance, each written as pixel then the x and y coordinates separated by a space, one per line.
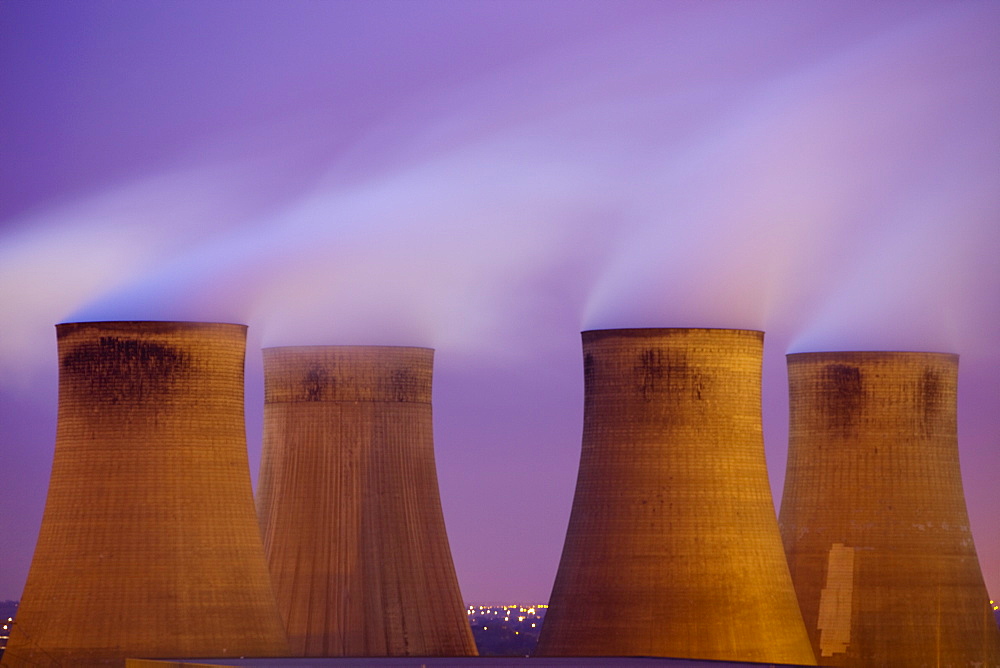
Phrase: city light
pixel 506 629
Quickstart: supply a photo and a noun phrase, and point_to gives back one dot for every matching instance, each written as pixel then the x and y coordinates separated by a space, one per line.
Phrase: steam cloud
pixel 825 172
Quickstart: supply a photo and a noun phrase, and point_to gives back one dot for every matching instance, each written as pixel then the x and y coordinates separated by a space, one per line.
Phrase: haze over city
pixel 488 179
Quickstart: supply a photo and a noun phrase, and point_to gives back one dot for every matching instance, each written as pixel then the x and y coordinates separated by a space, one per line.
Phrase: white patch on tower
pixel 834 622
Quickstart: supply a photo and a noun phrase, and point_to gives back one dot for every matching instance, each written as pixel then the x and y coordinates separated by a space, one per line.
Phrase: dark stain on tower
pixel 115 368
pixel 404 384
pixel 843 383
pixel 932 401
pixel 650 372
pixel 314 383
pixel 666 375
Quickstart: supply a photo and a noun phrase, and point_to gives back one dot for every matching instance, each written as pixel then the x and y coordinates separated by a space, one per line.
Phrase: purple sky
pixel 488 179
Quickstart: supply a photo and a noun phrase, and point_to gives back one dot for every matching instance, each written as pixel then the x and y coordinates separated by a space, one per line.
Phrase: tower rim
pixel 592 334
pixel 867 354
pixel 63 327
pixel 346 347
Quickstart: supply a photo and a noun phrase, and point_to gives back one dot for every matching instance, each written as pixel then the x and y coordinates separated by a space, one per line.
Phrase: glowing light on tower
pixel 673 516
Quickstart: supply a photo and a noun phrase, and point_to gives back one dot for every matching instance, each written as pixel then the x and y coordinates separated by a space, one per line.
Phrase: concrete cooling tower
pixel 349 504
pixel 149 544
pixel 673 547
pixel 873 515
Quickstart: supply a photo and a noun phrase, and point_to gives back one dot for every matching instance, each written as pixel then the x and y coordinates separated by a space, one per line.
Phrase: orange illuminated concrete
pixel 673 546
pixel 873 515
pixel 349 504
pixel 149 544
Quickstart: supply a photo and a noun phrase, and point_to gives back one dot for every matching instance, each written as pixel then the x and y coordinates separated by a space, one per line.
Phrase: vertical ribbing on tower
pixel 149 544
pixel 673 546
pixel 873 514
pixel 349 504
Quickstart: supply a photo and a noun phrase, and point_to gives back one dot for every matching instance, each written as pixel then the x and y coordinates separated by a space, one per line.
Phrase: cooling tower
pixel 673 546
pixel 873 515
pixel 349 504
pixel 149 544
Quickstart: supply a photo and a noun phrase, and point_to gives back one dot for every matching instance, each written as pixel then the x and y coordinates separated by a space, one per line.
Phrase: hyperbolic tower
pixel 673 547
pixel 149 544
pixel 349 504
pixel 873 515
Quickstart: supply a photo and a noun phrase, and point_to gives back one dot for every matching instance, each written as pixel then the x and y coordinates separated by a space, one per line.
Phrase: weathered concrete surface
pixel 349 504
pixel 149 544
pixel 673 546
pixel 873 515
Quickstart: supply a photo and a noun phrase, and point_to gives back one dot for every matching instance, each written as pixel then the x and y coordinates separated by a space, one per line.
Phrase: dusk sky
pixel 489 178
